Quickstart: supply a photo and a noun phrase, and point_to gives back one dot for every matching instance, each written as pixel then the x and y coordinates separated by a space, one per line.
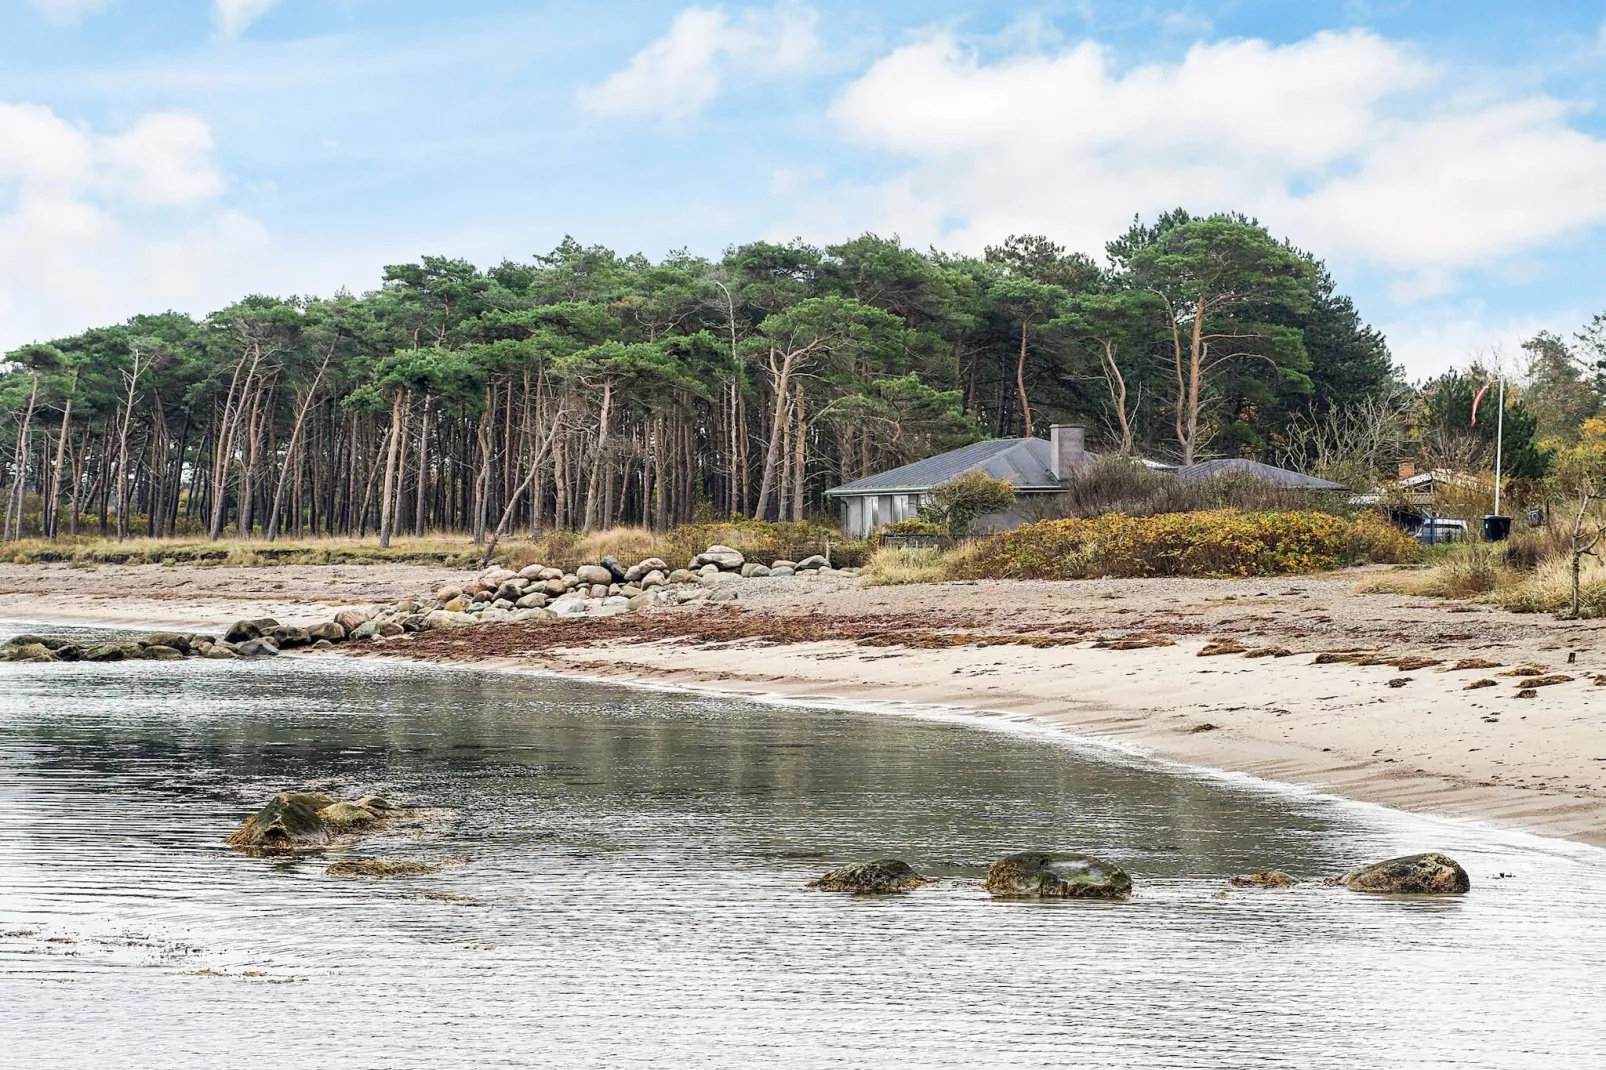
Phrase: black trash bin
pixel 1496 528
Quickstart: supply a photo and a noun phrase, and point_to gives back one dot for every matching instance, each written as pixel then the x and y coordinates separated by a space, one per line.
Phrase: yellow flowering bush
pixel 1214 543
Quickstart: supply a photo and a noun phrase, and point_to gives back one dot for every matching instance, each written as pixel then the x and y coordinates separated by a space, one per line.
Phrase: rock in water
pixel 1266 878
pixel 175 640
pixel 884 876
pixel 155 652
pixel 1042 875
pixel 258 648
pixel 348 816
pixel 289 821
pixel 1423 874
pixel 380 867
pixel 242 631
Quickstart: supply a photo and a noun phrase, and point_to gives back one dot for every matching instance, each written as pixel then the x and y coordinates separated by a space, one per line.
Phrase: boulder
pixel 780 571
pixel 348 816
pixel 157 652
pixel 329 629
pixel 389 628
pixel 723 556
pixel 550 573
pixel 521 615
pixel 176 640
pixel 258 648
pixel 634 573
pixel 591 575
pixel 718 579
pixel 68 652
pixel 616 570
pixel 109 652
pixel 655 578
pixel 653 564
pixel 598 590
pixel 629 590
pixel 783 563
pixel 289 821
pixel 459 604
pixel 219 652
pixel 288 637
pixel 446 618
pixel 495 615
pixel 364 631
pixel 511 591
pixel 682 575
pixel 241 631
pixel 570 605
pixel 29 652
pixel 1062 875
pixel 641 601
pixel 413 622
pixel 486 597
pixel 495 576
pixel 808 564
pixel 28 640
pixel 754 570
pixel 532 601
pixel 724 594
pixel 1424 874
pixel 555 586
pixel 504 604
pixel 405 607
pixel 884 876
pixel 446 594
pixel 708 570
pixel 532 572
pixel 1266 878
pixel 353 617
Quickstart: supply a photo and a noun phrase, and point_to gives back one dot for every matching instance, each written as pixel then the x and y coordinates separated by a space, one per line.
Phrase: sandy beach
pixel 1413 737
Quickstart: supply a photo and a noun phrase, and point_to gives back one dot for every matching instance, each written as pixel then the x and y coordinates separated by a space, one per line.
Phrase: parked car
pixel 1437 529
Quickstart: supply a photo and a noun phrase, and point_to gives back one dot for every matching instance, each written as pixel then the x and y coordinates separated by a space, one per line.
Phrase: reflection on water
pixel 631 892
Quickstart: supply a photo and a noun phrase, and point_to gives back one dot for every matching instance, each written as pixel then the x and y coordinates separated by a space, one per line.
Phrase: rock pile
pixel 496 596
pixel 304 820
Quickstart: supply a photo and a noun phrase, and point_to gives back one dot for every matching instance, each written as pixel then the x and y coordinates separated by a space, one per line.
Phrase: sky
pixel 1446 159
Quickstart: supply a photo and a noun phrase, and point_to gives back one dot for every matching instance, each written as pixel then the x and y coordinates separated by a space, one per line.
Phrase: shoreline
pixel 1412 738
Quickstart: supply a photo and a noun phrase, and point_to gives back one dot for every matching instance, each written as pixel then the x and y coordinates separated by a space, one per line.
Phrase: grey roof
pixel 1023 461
pixel 1281 477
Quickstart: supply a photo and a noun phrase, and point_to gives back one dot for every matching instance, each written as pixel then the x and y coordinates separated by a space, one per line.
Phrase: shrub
pixel 957 504
pixel 1210 543
pixel 889 567
pixel 1122 485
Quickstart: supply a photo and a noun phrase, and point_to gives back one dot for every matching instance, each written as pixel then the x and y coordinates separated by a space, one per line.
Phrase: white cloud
pixel 1346 142
pixel 94 228
pixel 680 73
pixel 233 16
pixel 1430 346
pixel 68 12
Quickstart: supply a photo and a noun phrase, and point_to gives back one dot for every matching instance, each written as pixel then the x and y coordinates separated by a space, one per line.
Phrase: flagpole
pixel 1499 437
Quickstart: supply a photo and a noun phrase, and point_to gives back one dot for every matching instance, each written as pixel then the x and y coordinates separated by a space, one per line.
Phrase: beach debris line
pixel 1061 875
pixel 882 876
pixel 1430 873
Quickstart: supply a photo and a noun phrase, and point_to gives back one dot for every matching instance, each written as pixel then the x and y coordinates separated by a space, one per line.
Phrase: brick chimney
pixel 1068 449
pixel 1407 470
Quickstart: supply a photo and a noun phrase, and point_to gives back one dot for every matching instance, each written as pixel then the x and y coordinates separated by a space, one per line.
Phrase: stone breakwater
pixel 495 596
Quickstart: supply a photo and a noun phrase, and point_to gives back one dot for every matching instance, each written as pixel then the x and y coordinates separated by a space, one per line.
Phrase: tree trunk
pixel 1020 381
pixel 295 443
pixel 778 423
pixel 387 499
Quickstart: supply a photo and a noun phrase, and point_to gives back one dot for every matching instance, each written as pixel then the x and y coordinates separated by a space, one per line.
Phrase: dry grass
pixel 1531 573
pixel 889 567
pixel 565 549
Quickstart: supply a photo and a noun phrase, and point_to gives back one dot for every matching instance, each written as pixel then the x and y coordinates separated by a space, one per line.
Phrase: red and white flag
pixel 1478 401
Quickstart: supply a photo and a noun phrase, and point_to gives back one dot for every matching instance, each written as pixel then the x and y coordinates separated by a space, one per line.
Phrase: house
pixel 1266 473
pixel 1034 466
pixel 1038 469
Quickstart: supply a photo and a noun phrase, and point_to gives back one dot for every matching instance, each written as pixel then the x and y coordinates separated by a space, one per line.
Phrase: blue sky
pixel 1447 159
